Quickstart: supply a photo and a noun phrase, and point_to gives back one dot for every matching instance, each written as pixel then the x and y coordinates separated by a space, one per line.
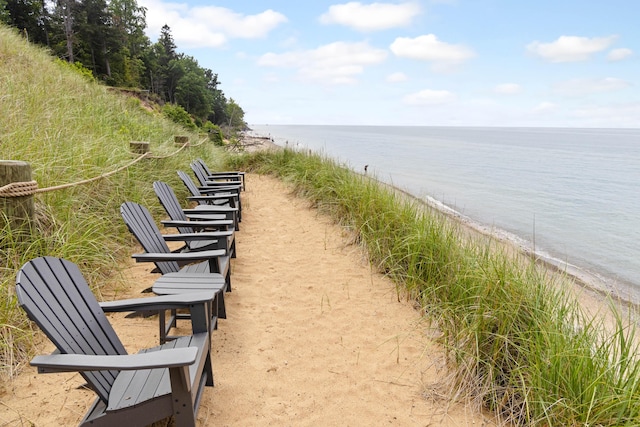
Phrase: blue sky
pixel 568 63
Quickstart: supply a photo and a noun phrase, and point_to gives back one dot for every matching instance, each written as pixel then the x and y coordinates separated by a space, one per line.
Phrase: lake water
pixel 569 194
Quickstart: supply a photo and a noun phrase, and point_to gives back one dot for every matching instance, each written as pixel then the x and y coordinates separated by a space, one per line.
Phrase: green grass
pixel 517 340
pixel 71 129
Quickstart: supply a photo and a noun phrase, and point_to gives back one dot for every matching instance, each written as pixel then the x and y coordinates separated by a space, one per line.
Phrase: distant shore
pixel 250 143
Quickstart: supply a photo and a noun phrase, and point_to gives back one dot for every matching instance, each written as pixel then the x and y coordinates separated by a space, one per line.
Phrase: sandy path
pixel 312 337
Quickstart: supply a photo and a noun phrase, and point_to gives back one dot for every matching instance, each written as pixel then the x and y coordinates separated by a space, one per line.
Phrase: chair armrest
pixel 179 256
pixel 224 230
pixel 226 174
pixel 224 184
pixel 204 209
pixel 216 192
pixel 164 302
pixel 201 220
pixel 205 235
pixel 166 358
pixel 209 223
pixel 189 237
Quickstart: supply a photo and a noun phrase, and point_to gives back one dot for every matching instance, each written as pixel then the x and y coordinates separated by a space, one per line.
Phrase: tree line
pixel 107 37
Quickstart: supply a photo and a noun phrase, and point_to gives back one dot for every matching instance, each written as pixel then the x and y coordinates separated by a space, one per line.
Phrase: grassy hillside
pixel 71 129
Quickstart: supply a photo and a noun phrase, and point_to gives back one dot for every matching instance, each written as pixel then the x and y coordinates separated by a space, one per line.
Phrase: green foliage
pixel 214 132
pixel 129 22
pixel 517 340
pixel 77 67
pixel 235 115
pixel 179 115
pixel 26 16
pixel 4 13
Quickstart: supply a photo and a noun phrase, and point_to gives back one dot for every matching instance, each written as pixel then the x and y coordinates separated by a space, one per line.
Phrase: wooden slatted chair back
pixel 188 182
pixel 199 172
pixel 170 203
pixel 233 177
pixel 55 295
pixel 141 224
pixel 204 166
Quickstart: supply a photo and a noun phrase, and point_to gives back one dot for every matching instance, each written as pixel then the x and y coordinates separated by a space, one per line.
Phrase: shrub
pixel 179 115
pixel 215 133
pixel 77 67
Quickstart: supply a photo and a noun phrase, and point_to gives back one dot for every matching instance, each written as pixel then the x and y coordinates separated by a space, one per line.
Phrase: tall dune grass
pixel 71 129
pixel 517 340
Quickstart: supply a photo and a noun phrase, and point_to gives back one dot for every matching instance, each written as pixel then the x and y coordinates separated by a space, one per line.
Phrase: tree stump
pixel 18 210
pixel 181 140
pixel 139 147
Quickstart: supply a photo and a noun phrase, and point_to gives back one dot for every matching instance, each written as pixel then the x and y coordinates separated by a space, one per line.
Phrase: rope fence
pixel 185 145
pixel 29 188
pixel 95 178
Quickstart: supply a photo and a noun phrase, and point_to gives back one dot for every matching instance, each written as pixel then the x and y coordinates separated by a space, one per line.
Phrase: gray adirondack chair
pixel 227 187
pixel 200 222
pixel 231 176
pixel 210 196
pixel 141 224
pixel 132 390
pixel 178 267
pixel 230 181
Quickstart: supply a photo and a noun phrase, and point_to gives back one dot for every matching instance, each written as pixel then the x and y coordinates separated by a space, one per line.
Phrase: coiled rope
pixel 19 189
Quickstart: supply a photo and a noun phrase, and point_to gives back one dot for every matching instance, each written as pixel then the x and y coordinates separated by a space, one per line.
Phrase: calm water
pixel 570 194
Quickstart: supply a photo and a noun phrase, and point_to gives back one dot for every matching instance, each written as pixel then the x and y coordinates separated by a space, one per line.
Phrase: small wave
pixel 585 278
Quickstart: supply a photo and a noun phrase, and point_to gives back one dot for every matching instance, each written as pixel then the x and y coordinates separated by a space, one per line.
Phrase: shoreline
pixel 250 143
pixel 591 291
pixel 590 281
pixel 577 276
pixel 598 287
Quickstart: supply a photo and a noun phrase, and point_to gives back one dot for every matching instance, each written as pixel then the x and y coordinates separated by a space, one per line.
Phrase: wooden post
pixel 179 139
pixel 18 210
pixel 139 147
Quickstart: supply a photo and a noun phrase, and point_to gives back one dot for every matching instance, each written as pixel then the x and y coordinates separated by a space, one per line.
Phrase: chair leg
pixel 183 410
pixel 209 370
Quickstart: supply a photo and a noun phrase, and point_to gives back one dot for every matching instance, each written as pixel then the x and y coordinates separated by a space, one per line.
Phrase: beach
pixel 313 336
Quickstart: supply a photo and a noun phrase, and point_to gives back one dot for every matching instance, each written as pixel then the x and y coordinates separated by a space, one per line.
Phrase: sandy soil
pixel 313 336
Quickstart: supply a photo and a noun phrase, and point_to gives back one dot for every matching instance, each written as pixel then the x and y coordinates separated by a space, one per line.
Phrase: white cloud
pixel 579 87
pixel 271 78
pixel 544 107
pixel 335 63
pixel 507 88
pixel 627 115
pixel 570 48
pixel 619 54
pixel 289 43
pixel 429 97
pixel 397 77
pixel 371 17
pixel 442 55
pixel 207 26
